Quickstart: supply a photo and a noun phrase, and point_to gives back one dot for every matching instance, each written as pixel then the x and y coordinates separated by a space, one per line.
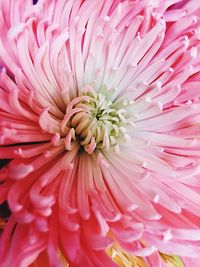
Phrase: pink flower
pixel 99 112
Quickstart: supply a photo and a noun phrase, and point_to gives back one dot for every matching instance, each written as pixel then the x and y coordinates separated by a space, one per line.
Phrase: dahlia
pixel 100 122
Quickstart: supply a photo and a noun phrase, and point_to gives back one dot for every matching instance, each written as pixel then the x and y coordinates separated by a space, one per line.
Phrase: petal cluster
pixel 100 121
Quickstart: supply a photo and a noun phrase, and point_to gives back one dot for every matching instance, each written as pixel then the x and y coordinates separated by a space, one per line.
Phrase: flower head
pixel 99 112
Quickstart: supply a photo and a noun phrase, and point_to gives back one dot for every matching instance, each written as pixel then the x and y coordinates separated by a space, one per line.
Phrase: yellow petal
pixel 171 260
pixel 124 259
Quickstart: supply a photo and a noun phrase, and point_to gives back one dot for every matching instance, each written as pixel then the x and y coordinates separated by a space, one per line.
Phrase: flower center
pixel 95 121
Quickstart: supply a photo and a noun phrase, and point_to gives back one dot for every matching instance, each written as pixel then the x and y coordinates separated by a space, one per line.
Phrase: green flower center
pixel 95 121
